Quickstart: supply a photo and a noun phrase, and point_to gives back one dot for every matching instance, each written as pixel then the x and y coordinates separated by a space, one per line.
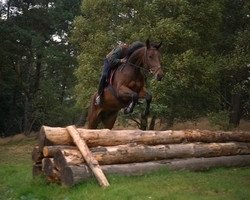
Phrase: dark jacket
pixel 114 57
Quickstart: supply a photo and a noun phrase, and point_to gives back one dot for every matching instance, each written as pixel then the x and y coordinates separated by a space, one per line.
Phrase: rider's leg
pixel 103 82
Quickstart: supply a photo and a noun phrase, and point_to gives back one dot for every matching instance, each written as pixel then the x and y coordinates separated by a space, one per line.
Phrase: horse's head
pixel 152 60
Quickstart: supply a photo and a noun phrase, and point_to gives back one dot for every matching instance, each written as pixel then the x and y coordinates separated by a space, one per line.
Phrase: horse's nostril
pixel 158 77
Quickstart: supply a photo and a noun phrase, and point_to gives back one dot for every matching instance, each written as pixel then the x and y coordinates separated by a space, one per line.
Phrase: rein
pixel 137 66
pixel 145 68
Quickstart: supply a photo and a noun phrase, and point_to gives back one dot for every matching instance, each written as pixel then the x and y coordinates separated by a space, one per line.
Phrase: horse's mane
pixel 133 47
pixel 137 45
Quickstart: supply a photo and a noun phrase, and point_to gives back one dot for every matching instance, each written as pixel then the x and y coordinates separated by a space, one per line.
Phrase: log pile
pixel 69 155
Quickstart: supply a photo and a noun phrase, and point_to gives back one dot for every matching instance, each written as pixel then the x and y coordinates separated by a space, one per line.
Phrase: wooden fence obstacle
pixel 71 155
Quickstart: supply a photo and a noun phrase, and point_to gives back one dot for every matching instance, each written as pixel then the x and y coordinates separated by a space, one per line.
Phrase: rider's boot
pixel 99 100
pixel 99 97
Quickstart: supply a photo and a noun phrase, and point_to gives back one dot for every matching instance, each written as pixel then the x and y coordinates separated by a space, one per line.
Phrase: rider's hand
pixel 123 60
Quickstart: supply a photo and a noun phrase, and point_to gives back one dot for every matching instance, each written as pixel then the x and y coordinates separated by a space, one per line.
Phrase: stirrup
pixel 98 100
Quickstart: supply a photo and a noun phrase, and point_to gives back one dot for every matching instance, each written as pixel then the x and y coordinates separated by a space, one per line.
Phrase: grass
pixel 16 182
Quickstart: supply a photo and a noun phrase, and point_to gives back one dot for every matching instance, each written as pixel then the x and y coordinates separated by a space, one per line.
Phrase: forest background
pixel 51 56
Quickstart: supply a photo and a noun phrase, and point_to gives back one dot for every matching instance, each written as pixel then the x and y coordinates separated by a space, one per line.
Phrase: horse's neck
pixel 137 58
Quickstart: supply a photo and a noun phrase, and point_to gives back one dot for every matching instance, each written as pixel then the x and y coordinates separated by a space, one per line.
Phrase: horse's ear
pixel 159 45
pixel 147 44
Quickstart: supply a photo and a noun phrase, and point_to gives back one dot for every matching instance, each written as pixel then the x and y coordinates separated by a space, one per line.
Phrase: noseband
pixel 145 67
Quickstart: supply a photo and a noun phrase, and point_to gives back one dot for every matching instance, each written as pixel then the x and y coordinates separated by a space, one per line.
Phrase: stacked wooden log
pixel 134 152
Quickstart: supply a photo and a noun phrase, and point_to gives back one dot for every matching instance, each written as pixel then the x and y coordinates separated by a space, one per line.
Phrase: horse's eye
pixel 151 57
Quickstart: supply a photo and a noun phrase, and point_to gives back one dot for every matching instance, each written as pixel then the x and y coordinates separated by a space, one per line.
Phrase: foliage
pixel 220 119
pixel 37 64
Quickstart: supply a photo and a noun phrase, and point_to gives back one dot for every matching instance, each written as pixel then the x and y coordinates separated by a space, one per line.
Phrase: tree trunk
pixel 104 137
pixel 72 175
pixel 144 122
pixel 26 118
pixel 142 153
pixel 152 123
pixel 235 112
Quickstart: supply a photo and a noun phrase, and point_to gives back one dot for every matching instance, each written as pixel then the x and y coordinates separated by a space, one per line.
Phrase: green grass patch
pixel 16 182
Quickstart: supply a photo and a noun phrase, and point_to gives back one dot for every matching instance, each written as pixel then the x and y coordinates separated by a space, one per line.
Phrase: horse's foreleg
pixel 148 97
pixel 126 93
pixel 130 108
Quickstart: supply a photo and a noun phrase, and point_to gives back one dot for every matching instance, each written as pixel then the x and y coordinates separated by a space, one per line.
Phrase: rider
pixel 116 57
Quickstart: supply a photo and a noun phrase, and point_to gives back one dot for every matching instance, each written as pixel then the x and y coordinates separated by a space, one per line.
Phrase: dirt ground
pixel 202 124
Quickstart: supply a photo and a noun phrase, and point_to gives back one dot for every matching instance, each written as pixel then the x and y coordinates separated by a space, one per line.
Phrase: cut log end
pixel 37 155
pixel 72 175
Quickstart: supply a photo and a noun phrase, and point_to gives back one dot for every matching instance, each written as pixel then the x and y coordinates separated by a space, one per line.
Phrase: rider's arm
pixel 116 57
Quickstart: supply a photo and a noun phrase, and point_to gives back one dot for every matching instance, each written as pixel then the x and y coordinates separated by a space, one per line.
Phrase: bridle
pixel 146 68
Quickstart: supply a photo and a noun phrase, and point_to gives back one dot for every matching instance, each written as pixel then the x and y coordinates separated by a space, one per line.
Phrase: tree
pixel 37 64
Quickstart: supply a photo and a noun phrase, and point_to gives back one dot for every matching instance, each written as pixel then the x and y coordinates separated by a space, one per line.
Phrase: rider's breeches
pixel 104 78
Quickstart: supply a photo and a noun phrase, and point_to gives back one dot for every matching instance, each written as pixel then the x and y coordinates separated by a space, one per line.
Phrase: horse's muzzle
pixel 159 77
pixel 158 73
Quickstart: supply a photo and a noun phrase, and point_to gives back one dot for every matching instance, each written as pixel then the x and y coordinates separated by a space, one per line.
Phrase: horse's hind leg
pixel 93 122
pixel 108 119
pixel 93 115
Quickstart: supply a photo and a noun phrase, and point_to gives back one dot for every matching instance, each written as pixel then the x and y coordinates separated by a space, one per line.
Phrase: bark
pixel 105 137
pixel 50 151
pixel 37 155
pixel 88 157
pixel 144 122
pixel 49 169
pixel 142 153
pixel 54 136
pixel 72 175
pixel 66 157
pixel 152 123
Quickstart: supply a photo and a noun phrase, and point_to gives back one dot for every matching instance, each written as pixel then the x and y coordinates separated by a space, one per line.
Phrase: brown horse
pixel 128 85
